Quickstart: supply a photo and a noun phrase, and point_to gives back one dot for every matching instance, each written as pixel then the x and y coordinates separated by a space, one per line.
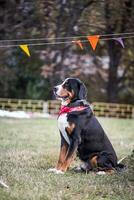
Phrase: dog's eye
pixel 66 84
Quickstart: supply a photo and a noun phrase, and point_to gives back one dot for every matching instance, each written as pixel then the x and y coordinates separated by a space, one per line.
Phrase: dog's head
pixel 70 89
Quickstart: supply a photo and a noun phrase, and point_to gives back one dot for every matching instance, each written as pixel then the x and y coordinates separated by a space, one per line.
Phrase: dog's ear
pixel 82 91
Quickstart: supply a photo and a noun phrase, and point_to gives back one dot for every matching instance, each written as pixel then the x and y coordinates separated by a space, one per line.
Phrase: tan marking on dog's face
pixel 62 90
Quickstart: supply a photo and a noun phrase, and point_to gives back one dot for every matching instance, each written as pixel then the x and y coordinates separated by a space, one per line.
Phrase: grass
pixel 29 147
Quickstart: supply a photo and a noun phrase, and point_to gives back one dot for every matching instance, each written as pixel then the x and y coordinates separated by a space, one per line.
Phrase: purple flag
pixel 120 40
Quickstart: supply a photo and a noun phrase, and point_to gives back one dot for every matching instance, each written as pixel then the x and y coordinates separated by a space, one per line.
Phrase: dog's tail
pixel 121 167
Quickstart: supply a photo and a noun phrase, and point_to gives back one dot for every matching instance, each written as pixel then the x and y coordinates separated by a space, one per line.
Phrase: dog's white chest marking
pixel 62 124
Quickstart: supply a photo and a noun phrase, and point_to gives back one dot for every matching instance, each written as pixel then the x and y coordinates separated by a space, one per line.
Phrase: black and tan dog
pixel 81 132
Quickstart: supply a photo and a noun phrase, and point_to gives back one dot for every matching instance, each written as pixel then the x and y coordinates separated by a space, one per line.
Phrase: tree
pixel 109 17
pixel 19 76
pixel 118 19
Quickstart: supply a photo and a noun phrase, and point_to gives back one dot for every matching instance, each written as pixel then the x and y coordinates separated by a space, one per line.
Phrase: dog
pixel 81 132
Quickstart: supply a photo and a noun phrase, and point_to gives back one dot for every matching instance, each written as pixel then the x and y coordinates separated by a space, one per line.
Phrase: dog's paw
pixel 101 173
pixel 59 172
pixel 53 170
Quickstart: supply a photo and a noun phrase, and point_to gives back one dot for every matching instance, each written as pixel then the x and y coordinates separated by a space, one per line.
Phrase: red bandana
pixel 65 109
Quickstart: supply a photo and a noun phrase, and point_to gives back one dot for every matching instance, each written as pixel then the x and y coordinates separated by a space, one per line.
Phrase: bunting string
pixel 61 38
pixel 92 39
pixel 60 42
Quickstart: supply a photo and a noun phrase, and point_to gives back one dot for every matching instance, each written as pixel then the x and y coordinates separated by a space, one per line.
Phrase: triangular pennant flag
pixel 24 47
pixel 94 39
pixel 79 43
pixel 120 40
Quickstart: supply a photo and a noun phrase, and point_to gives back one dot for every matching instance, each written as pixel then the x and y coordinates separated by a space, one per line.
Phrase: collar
pixel 67 109
pixel 78 102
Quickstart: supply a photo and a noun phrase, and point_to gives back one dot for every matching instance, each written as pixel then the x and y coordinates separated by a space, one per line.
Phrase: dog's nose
pixel 55 88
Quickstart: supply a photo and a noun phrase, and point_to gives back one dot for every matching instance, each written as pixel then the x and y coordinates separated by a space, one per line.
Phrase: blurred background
pixel 29 145
pixel 108 72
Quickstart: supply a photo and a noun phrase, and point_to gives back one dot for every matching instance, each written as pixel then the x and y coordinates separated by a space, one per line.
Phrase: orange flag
pixel 24 47
pixel 94 39
pixel 79 43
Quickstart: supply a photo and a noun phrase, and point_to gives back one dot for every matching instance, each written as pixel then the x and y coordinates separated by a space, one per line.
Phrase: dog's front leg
pixel 63 153
pixel 70 155
pixel 73 146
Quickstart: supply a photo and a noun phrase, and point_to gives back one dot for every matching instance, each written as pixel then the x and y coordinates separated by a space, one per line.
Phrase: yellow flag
pixel 24 47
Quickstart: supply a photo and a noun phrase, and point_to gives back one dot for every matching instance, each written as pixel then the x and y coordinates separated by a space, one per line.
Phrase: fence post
pixel 132 112
pixel 45 107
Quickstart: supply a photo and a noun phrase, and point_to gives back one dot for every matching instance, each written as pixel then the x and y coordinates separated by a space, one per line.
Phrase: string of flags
pixel 92 39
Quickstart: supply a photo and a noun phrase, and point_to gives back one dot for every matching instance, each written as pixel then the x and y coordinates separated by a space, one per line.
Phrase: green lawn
pixel 29 147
